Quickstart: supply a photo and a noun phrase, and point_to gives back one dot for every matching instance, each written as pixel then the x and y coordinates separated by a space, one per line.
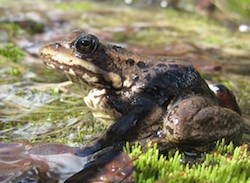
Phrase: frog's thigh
pixel 198 119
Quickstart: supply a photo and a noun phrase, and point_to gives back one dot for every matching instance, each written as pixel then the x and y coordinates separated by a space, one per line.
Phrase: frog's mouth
pixel 78 68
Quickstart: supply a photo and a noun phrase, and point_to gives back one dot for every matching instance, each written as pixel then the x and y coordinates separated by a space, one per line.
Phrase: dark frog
pixel 141 97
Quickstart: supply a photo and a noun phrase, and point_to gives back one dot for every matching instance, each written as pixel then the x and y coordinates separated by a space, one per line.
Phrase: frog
pixel 144 97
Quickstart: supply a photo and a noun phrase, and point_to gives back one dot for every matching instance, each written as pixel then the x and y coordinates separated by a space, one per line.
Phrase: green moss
pixel 11 74
pixel 214 39
pixel 12 29
pixel 10 59
pixel 11 52
pixel 76 6
pixel 14 71
pixel 64 120
pixel 240 7
pixel 35 27
pixel 224 164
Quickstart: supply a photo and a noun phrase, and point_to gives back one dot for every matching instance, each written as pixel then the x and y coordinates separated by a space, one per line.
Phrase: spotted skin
pixel 139 97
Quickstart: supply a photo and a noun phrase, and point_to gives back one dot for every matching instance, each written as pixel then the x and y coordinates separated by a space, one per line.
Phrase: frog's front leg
pixel 197 121
pixel 141 121
pixel 98 102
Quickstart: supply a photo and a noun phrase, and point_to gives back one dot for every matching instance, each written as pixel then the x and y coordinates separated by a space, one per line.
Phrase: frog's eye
pixel 86 44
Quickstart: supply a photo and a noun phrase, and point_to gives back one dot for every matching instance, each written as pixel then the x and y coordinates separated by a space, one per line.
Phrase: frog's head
pixel 83 57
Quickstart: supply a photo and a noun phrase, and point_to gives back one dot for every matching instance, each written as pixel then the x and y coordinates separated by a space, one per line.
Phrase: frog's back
pixel 170 77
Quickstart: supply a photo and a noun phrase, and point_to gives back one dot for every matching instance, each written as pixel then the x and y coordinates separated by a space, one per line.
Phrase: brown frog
pixel 141 97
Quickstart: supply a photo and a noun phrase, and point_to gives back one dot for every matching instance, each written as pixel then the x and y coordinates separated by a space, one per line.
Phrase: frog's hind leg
pixel 197 121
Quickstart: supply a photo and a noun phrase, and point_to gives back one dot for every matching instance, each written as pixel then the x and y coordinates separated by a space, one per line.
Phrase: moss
pixel 64 120
pixel 14 71
pixel 224 164
pixel 11 52
pixel 76 6
pixel 11 74
pixel 12 29
pixel 10 59
pixel 236 9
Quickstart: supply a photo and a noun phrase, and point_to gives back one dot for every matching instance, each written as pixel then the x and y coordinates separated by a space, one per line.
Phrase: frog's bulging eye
pixel 86 44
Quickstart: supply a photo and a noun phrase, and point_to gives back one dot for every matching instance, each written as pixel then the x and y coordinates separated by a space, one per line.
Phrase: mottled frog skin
pixel 142 97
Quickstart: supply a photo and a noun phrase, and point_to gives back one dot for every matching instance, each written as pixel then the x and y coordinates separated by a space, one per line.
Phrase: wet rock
pixel 111 167
pixel 52 162
pixel 24 162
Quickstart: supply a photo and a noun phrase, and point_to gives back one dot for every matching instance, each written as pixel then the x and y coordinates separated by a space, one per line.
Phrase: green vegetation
pixel 10 63
pixel 14 71
pixel 224 164
pixel 12 29
pixel 76 6
pixel 65 120
pixel 11 52
pixel 235 9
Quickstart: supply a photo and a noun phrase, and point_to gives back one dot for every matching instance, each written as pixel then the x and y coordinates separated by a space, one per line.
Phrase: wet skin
pixel 141 97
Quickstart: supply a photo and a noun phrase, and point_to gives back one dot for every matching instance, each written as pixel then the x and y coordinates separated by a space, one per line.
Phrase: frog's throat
pixel 79 67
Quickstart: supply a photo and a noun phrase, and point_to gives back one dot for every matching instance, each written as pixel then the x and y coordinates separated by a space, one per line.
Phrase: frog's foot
pixel 98 103
pixel 198 121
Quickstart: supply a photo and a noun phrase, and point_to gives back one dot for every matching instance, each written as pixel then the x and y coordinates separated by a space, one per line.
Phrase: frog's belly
pixel 97 101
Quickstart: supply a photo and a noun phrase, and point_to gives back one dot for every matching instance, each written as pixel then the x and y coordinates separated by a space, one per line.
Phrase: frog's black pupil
pixel 85 44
